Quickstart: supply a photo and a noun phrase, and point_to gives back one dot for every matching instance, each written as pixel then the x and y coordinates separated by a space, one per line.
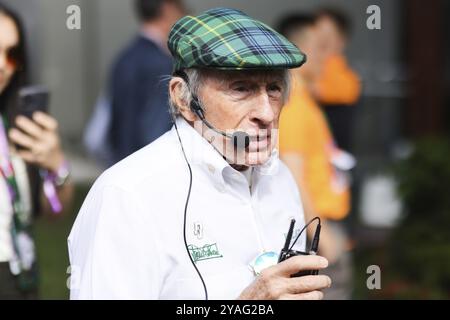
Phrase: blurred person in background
pixel 307 147
pixel 24 171
pixel 337 88
pixel 137 88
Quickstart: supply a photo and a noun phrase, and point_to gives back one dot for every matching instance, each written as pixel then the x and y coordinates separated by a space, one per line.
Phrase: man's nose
pixel 263 111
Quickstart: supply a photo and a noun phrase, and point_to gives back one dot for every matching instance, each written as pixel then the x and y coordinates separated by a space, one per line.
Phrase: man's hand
pixel 275 283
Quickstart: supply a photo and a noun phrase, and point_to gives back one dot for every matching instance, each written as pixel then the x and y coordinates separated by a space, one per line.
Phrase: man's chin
pixel 258 158
pixel 250 158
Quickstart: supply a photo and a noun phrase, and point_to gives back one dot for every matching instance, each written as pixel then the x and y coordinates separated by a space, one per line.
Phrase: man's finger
pixel 307 283
pixel 313 295
pixel 300 263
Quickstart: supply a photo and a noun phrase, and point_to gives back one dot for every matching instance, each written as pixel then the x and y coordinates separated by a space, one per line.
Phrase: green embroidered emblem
pixel 208 251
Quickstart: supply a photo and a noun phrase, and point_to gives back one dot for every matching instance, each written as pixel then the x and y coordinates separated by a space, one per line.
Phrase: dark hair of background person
pixel 148 10
pixel 292 23
pixel 8 98
pixel 340 19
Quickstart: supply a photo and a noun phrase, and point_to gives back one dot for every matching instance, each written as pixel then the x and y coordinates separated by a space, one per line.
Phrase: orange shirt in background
pixel 303 130
pixel 338 84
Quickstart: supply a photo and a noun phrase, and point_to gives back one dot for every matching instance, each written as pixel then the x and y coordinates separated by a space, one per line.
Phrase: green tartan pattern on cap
pixel 229 39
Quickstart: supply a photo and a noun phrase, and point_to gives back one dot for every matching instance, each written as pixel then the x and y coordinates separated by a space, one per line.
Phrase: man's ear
pixel 175 89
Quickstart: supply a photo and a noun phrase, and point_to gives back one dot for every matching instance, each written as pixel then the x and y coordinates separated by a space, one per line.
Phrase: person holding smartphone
pixel 33 169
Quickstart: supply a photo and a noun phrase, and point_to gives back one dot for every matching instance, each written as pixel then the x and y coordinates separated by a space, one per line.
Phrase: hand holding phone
pixel 30 100
pixel 34 132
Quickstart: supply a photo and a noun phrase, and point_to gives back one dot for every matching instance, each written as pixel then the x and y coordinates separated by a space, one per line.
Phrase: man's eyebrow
pixel 240 80
pixel 268 79
pixel 275 79
pixel 233 81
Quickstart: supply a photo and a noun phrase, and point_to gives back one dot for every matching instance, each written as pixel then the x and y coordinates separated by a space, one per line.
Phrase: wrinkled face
pixel 9 39
pixel 249 101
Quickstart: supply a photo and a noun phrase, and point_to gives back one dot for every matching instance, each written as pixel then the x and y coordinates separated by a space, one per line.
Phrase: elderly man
pixel 202 210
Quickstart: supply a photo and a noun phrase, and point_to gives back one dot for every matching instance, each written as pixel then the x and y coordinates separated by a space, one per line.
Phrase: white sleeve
pixel 113 253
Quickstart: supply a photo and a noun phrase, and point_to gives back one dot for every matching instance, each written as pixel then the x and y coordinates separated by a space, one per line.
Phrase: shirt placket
pixel 248 199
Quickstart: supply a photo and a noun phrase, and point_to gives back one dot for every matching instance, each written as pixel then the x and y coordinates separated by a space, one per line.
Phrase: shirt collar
pixel 201 153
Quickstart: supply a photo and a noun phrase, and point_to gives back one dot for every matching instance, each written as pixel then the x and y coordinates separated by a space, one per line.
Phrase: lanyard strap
pixel 7 172
pixel 7 169
pixel 50 190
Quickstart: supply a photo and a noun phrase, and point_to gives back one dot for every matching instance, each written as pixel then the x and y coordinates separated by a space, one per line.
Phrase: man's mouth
pixel 260 137
pixel 259 142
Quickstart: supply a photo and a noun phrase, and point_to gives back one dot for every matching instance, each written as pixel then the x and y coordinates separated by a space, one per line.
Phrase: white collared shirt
pixel 127 241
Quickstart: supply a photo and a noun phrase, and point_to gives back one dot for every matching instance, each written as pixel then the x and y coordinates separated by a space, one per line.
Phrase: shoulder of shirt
pixel 157 161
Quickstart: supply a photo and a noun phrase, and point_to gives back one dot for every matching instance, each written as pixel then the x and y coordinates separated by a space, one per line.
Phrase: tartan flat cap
pixel 229 39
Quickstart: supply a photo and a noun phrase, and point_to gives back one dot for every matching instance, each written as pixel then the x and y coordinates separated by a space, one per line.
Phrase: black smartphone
pixel 32 99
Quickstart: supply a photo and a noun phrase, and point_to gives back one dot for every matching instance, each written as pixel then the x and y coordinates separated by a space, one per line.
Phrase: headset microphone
pixel 241 139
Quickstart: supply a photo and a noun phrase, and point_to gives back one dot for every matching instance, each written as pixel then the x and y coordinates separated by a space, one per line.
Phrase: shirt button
pixel 211 168
pixel 220 187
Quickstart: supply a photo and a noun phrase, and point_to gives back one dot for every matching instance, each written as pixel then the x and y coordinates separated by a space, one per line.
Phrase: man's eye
pixel 274 88
pixel 241 89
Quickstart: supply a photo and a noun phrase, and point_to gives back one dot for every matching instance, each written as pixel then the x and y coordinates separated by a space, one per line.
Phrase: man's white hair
pixel 197 77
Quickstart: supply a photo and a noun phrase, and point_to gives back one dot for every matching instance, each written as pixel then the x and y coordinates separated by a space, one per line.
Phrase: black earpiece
pixel 197 108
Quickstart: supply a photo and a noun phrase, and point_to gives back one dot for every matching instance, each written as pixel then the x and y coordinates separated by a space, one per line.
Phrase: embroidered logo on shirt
pixel 208 251
pixel 198 230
